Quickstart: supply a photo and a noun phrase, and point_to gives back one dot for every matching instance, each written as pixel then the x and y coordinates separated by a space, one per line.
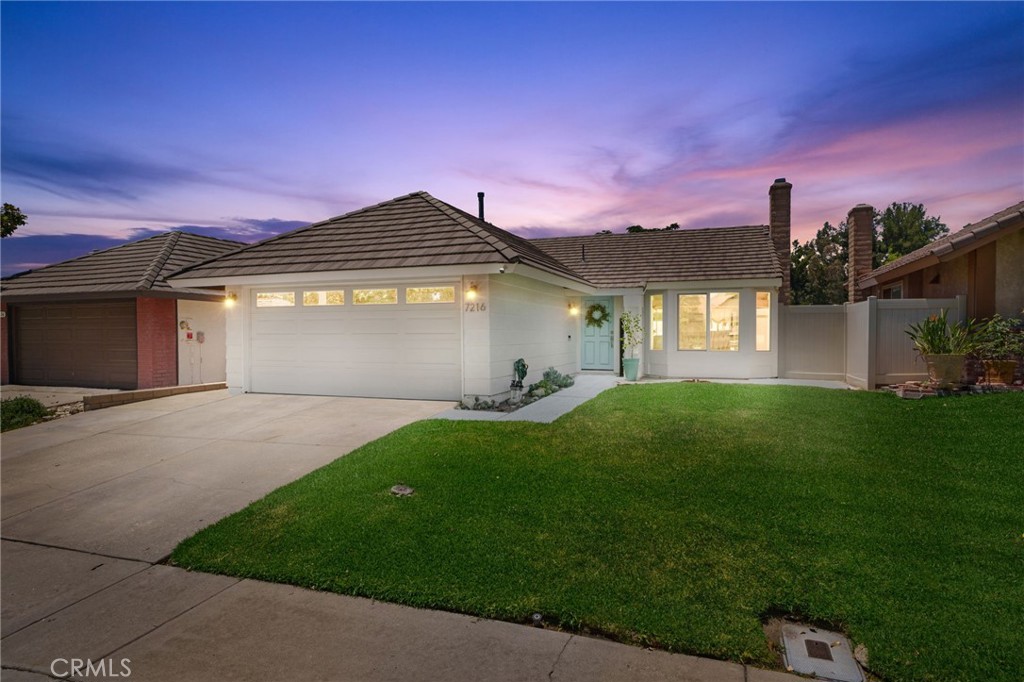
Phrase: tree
pixel 819 265
pixel 633 229
pixel 902 228
pixel 13 218
pixel 818 272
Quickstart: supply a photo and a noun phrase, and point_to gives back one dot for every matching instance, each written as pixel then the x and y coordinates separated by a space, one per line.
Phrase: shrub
pixel 935 336
pixel 1001 338
pixel 632 332
pixel 20 411
pixel 557 379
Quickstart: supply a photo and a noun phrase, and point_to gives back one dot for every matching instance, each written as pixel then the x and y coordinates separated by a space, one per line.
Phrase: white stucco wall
pixel 201 363
pixel 235 324
pixel 746 363
pixel 476 338
pixel 519 317
pixel 530 320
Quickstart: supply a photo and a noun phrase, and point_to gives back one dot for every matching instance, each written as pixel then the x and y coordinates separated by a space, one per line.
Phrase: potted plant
pixel 943 346
pixel 632 337
pixel 1000 346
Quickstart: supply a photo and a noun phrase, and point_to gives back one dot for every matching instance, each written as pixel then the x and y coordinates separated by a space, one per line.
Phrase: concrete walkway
pixel 93 503
pixel 548 408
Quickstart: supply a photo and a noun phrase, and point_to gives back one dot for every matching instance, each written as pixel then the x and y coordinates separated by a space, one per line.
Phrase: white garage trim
pixel 388 350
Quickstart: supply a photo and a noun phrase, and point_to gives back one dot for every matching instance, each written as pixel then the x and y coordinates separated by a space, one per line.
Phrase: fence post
pixel 872 340
pixel 961 308
pixel 846 342
pixel 781 343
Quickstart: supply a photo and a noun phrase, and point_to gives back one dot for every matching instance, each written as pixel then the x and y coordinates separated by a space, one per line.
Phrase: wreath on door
pixel 596 315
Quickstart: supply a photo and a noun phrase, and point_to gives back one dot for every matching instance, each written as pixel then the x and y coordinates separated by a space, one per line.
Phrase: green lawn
pixel 679 515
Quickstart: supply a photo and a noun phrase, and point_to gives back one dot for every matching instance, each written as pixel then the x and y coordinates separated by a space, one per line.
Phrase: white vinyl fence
pixel 864 344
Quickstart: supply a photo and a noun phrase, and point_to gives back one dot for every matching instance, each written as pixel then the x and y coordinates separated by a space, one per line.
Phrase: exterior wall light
pixel 574 309
pixel 471 292
pixel 230 299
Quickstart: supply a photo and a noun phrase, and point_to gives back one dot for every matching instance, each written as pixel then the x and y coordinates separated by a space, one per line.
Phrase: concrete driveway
pixel 133 481
pixel 92 504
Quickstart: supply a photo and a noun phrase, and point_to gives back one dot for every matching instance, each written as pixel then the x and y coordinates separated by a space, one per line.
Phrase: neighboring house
pixel 110 320
pixel 983 262
pixel 415 298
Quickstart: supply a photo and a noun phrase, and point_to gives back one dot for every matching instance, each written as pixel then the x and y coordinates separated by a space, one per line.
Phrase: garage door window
pixel 430 295
pixel 375 296
pixel 275 299
pixel 315 298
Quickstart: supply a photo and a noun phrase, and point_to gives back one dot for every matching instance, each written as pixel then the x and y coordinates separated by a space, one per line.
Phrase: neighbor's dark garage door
pixel 75 344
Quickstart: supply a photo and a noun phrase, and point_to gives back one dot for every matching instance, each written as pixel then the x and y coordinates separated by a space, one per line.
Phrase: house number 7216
pixel 476 307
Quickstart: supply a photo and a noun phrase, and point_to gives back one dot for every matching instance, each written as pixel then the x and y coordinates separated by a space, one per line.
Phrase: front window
pixel 724 311
pixel 709 321
pixel 657 322
pixel 763 329
pixel 693 327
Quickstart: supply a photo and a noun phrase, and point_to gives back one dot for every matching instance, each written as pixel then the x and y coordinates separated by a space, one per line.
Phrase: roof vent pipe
pixel 480 203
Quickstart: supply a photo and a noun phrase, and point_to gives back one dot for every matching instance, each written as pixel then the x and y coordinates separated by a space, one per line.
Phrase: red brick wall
pixel 860 223
pixel 5 371
pixel 779 208
pixel 157 335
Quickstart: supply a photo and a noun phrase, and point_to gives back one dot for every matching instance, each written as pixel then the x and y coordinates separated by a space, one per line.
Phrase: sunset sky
pixel 245 119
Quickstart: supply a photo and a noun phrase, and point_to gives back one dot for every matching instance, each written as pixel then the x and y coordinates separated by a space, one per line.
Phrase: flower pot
pixel 1000 371
pixel 945 370
pixel 630 367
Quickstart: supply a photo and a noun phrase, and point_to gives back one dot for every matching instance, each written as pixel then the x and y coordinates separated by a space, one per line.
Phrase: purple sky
pixel 245 119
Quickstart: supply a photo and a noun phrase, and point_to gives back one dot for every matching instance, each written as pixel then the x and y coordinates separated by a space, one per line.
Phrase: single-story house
pixel 984 262
pixel 415 298
pixel 109 319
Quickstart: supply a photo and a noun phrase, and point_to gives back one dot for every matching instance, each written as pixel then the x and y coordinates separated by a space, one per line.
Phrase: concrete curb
pixel 98 402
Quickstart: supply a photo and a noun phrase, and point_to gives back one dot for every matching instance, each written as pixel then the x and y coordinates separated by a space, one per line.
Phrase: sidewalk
pixel 174 625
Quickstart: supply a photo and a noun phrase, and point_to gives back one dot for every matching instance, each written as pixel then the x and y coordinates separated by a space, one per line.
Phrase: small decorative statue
pixel 519 368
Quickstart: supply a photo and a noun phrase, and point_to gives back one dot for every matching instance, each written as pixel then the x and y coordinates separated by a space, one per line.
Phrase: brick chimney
pixel 779 199
pixel 861 244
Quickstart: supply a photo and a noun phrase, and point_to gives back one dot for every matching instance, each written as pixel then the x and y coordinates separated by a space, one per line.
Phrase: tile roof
pixel 1012 216
pixel 415 230
pixel 633 260
pixel 134 267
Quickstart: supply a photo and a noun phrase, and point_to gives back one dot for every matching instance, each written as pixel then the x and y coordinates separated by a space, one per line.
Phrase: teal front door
pixel 598 341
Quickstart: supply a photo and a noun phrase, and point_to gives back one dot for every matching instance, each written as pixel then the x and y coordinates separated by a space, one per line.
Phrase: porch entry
pixel 598 342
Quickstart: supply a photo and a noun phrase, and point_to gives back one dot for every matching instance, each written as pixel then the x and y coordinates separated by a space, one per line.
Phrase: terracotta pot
pixel 1000 371
pixel 945 370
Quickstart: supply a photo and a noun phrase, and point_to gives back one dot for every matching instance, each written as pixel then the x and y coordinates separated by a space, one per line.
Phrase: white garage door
pixel 374 341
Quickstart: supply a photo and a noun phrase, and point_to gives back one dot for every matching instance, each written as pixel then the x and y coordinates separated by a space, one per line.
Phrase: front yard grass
pixel 680 515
